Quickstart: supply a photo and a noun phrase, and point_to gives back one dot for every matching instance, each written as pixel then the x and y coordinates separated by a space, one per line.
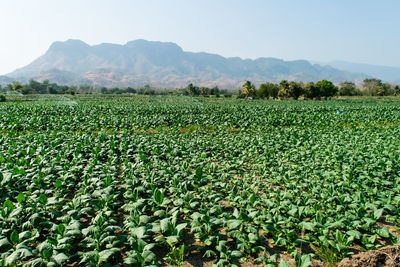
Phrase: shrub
pixel 2 98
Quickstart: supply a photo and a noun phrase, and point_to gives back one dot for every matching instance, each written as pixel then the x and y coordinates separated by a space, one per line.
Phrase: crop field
pixel 140 181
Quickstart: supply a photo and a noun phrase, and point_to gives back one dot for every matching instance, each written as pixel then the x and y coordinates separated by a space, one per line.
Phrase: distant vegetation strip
pixel 283 90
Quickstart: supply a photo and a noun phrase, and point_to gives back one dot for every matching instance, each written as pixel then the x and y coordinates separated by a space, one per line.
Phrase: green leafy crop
pixel 144 181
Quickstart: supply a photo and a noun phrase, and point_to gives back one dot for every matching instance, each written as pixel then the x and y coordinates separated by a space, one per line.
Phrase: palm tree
pixel 248 89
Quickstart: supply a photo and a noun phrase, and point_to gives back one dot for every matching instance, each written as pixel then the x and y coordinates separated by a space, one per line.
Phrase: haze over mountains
pixel 165 65
pixel 386 73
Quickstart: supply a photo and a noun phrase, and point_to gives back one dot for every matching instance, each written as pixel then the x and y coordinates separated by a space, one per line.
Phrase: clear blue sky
pixel 365 31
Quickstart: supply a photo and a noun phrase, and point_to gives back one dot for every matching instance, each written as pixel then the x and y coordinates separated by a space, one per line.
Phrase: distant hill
pixel 162 64
pixel 4 80
pixel 386 73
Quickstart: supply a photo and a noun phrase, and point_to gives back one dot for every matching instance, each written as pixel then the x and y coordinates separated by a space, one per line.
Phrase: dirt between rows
pixel 387 256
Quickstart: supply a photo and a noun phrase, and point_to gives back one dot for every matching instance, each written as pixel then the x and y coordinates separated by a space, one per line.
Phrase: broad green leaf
pixel 61 229
pixel 234 224
pixel 61 259
pixel 236 254
pixel 9 205
pixel 283 263
pixel 180 227
pixel 14 237
pixel 43 199
pixel 105 255
pixel 165 225
pixel 139 232
pixel 46 254
pixel 21 198
pixel 172 240
pixel 383 232
pixel 308 226
pixel 58 183
pixel 149 256
pixel 5 245
pixel 378 213
pixel 355 234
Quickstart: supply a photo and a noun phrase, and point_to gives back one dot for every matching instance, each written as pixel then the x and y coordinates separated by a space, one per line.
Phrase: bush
pixel 2 98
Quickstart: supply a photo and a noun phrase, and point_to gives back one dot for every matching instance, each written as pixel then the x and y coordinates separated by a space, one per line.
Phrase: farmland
pixel 139 181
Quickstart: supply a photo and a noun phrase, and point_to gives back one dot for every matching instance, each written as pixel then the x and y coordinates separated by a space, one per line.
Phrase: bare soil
pixel 384 257
pixel 388 256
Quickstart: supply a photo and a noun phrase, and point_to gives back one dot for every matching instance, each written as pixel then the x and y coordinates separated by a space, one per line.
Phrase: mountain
pixel 386 73
pixel 163 64
pixel 4 80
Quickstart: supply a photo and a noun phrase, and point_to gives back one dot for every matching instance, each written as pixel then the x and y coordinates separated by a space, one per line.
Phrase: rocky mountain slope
pixel 163 65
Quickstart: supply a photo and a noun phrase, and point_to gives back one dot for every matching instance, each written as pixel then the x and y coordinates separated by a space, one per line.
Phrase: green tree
pixel 52 89
pixel 149 91
pixel 73 89
pixel 2 98
pixel 82 88
pixel 27 90
pixel 348 89
pixel 376 87
pixel 204 91
pixel 283 89
pixel 192 90
pixel 267 90
pixel 262 91
pixel 16 86
pixel 130 90
pixel 273 90
pixel 311 91
pixel 248 89
pixel 215 91
pixel 327 88
pixel 295 90
pixel 371 86
pixel 36 87
pixel 397 90
pixel 385 89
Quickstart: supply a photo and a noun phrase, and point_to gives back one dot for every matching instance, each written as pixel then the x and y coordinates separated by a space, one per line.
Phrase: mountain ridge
pixel 164 64
pixel 386 73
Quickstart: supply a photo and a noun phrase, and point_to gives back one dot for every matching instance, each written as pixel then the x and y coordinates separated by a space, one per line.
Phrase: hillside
pixel 162 64
pixel 386 73
pixel 4 80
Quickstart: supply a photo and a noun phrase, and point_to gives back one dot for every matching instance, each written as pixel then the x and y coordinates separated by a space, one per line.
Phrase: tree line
pixel 318 90
pixel 282 90
pixel 45 87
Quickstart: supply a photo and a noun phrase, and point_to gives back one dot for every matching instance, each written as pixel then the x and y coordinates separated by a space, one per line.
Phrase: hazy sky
pixel 365 31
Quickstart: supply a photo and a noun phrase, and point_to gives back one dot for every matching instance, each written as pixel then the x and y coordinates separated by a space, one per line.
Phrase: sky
pixel 362 31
